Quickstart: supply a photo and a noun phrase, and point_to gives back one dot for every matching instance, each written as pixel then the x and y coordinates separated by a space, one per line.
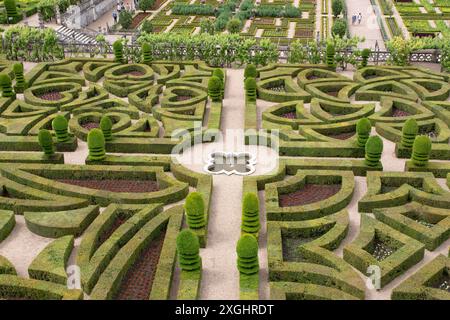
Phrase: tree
pixel 409 132
pixel 6 85
pixel 214 89
pixel 363 128
pixel 147 26
pixel 250 71
pixel 21 84
pixel 330 59
pixel 250 214
pixel 145 5
pixel 250 89
pixel 339 28
pixel 146 54
pixel 365 57
pixel 234 25
pixel 337 6
pixel 11 11
pixel 118 51
pixel 106 127
pixel 207 26
pixel 125 19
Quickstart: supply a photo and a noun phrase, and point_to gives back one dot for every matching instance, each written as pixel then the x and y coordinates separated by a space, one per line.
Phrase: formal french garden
pixel 96 201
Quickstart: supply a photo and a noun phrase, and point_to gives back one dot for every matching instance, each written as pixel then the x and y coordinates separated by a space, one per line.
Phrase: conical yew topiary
pixel 409 132
pixel 365 54
pixel 250 214
pixel 250 89
pixel 6 84
pixel 146 54
pixel 217 72
pixel 21 84
pixel 214 89
pixel 60 126
pixel 247 252
pixel 118 51
pixel 421 150
pixel 96 145
pixel 46 141
pixel 330 59
pixel 188 249
pixel 195 210
pixel 106 127
pixel 250 71
pixel 374 149
pixel 363 128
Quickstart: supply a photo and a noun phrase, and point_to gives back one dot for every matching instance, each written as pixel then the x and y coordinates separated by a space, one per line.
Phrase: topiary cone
pixel 146 54
pixel 363 128
pixel 21 84
pixel 247 252
pixel 96 145
pixel 330 59
pixel 409 132
pixel 217 72
pixel 6 85
pixel 106 127
pixel 250 71
pixel 250 89
pixel 195 210
pixel 118 51
pixel 421 150
pixel 188 249
pixel 60 126
pixel 250 214
pixel 214 89
pixel 46 142
pixel 374 149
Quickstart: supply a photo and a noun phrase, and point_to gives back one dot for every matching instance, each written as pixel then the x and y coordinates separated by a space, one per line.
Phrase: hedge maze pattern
pixel 316 112
pixel 126 209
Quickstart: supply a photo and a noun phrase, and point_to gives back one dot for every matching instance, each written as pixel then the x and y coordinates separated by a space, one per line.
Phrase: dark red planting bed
pixel 115 185
pixel 90 125
pixel 341 136
pixel 51 96
pixel 183 98
pixel 399 113
pixel 135 73
pixel 332 93
pixel 138 18
pixel 289 115
pixel 138 281
pixel 303 33
pixel 312 77
pixel 280 88
pixel 309 193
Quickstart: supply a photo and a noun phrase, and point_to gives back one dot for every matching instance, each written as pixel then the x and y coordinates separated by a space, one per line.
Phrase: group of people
pixel 356 18
pixel 121 7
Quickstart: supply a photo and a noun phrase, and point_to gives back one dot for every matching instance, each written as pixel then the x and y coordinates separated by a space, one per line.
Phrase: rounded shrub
pixel 96 145
pixel 188 249
pixel 247 252
pixel 365 54
pixel 234 25
pixel 6 85
pixel 195 210
pixel 250 214
pixel 106 127
pixel 21 84
pixel 250 71
pixel 339 28
pixel 330 59
pixel 118 51
pixel 421 150
pixel 214 89
pixel 250 89
pixel 374 149
pixel 11 11
pixel 363 128
pixel 60 126
pixel 409 132
pixel 146 54
pixel 46 141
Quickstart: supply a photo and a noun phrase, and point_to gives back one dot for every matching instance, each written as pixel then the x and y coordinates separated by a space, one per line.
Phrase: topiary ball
pixel 374 149
pixel 18 67
pixel 188 249
pixel 250 204
pixel 218 72
pixel 250 71
pixel 421 150
pixel 247 247
pixel 409 132
pixel 195 210
pixel 214 89
pixel 363 128
pixel 46 141
pixel 60 126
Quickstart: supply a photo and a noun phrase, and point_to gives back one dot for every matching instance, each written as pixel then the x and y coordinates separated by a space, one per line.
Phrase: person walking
pixel 114 14
pixel 359 18
pixel 118 7
pixel 353 18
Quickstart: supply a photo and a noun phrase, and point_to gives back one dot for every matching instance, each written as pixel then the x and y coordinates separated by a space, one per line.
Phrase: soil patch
pixel 132 186
pixel 309 193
